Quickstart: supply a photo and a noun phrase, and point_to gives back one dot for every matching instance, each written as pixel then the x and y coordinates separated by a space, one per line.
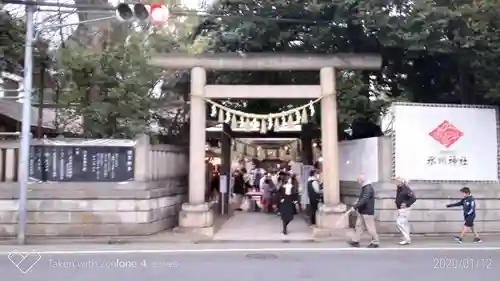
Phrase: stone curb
pixel 210 240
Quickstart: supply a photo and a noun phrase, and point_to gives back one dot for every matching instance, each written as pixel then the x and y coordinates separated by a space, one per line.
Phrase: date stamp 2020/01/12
pixel 462 263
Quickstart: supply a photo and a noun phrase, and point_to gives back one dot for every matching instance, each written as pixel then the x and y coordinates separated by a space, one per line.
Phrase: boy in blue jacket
pixel 468 204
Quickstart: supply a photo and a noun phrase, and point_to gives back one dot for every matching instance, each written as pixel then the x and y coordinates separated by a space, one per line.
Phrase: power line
pixel 173 12
pixel 72 11
pixel 61 5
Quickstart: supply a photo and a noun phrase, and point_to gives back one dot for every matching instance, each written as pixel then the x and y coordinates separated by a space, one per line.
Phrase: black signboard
pixel 81 163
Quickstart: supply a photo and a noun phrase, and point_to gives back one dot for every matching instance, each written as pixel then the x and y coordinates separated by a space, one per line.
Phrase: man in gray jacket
pixel 365 206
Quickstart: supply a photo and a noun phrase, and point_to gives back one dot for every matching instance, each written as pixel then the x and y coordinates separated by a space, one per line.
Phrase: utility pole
pixel 26 126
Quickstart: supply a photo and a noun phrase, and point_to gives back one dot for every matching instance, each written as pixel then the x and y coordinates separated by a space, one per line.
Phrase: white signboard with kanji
pixel 445 142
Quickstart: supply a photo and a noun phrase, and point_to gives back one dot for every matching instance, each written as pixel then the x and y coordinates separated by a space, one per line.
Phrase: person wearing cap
pixel 405 198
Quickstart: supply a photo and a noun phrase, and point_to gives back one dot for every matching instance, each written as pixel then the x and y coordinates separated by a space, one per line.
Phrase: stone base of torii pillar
pixel 197 218
pixel 331 221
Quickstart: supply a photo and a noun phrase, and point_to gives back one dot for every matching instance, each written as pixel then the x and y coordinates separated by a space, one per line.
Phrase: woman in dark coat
pixel 295 192
pixel 277 195
pixel 287 203
pixel 239 187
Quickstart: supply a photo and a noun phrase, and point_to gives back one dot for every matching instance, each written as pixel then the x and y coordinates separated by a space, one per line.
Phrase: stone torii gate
pixel 197 215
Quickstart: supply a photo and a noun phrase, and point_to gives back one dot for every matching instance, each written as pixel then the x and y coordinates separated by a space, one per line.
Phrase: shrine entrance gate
pixel 196 214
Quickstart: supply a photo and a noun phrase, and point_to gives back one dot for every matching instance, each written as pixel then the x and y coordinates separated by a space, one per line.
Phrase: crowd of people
pixel 278 191
pixel 274 191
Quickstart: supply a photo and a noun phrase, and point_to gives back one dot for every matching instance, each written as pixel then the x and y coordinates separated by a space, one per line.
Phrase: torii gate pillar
pixel 197 215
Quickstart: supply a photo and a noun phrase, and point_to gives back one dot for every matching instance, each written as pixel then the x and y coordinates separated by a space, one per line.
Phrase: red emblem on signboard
pixel 446 134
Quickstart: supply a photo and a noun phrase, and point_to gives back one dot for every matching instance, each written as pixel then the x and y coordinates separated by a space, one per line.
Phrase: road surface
pixel 249 263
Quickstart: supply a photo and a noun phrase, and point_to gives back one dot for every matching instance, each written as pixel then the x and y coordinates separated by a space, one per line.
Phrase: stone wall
pixel 147 205
pixel 429 215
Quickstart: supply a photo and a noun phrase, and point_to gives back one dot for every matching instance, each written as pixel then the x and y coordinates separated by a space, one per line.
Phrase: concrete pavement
pixel 431 260
pixel 249 226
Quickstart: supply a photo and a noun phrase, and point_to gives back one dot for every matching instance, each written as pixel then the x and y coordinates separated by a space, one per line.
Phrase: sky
pixel 50 15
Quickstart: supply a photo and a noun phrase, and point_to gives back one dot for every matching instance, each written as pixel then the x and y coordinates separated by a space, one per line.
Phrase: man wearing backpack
pixel 405 198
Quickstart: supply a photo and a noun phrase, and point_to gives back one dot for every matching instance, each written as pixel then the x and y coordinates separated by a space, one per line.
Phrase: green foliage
pixel 434 50
pixel 11 42
pixel 12 35
pixel 325 29
pixel 437 50
pixel 112 90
